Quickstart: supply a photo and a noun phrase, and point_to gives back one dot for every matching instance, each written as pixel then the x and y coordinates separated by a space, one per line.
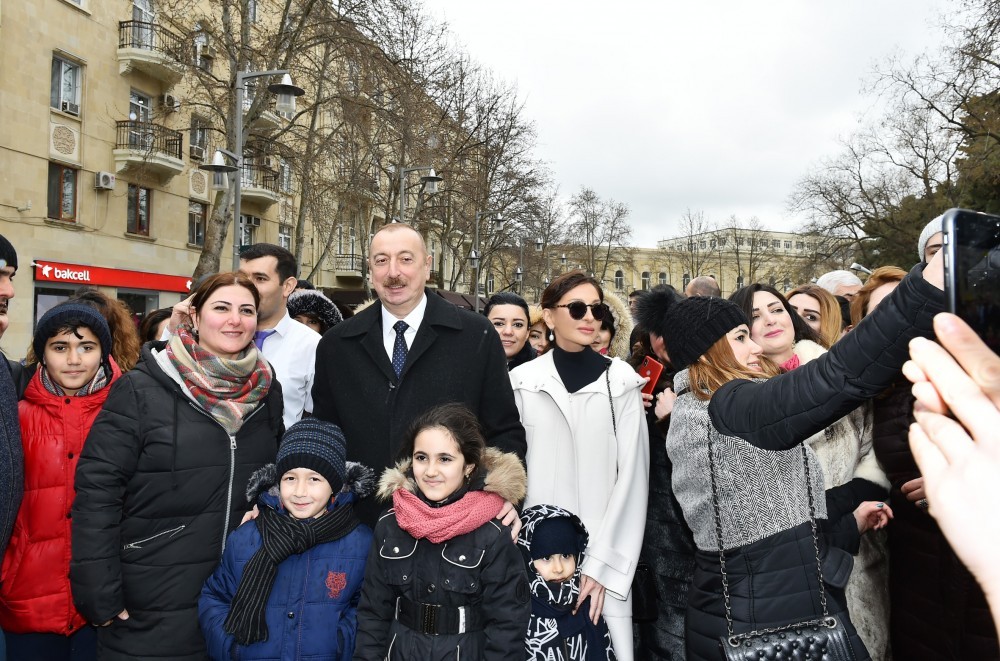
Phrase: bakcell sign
pixel 78 274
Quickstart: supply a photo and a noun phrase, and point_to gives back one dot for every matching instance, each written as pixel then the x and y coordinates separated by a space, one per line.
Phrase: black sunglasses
pixel 578 310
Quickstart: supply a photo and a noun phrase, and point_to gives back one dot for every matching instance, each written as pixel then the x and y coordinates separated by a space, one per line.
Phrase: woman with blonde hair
pixel 773 546
pixel 820 310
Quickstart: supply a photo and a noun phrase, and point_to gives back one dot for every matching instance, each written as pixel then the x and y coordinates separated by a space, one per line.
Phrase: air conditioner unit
pixel 71 108
pixel 197 153
pixel 207 50
pixel 170 103
pixel 104 181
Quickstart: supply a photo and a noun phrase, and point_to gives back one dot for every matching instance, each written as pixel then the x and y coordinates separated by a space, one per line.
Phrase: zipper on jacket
pixel 232 464
pixel 229 491
pixel 139 542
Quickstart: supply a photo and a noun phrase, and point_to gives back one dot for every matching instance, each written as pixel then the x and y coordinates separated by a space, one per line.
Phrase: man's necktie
pixel 260 336
pixel 399 347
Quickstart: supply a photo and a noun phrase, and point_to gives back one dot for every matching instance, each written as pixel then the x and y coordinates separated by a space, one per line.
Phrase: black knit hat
pixel 7 253
pixel 556 535
pixel 317 445
pixel 312 302
pixel 692 325
pixel 66 314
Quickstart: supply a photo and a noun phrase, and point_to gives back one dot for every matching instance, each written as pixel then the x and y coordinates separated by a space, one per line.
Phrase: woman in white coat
pixel 588 450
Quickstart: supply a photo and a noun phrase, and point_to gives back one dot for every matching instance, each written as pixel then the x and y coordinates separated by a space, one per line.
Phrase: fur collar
pixel 504 476
pixel 358 479
pixel 807 350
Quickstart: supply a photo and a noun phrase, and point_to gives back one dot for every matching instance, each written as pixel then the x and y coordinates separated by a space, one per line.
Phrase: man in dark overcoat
pixel 410 351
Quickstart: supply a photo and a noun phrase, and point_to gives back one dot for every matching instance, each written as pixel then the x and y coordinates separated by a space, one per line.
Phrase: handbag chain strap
pixel 825 620
pixel 607 380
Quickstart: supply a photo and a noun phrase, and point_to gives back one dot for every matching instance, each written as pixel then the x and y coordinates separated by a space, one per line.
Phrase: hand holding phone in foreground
pixel 960 460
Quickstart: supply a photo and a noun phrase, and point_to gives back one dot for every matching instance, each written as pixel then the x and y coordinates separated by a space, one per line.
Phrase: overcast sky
pixel 718 106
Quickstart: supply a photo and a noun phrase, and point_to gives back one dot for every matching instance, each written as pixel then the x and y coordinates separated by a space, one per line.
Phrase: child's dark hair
pixel 458 421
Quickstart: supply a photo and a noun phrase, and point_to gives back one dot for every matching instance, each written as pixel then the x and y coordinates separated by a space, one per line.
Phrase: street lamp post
pixel 286 93
pixel 474 257
pixel 430 181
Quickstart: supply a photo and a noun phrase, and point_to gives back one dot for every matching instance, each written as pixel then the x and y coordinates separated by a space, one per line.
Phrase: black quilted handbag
pixel 821 639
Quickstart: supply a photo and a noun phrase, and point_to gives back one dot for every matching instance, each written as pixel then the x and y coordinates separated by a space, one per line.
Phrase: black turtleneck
pixel 578 368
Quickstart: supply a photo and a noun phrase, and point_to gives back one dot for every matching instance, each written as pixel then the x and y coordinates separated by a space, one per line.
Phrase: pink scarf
pixel 439 524
pixel 791 363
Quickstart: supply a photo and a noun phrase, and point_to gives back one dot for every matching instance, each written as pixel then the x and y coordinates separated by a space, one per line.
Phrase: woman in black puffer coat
pixel 160 482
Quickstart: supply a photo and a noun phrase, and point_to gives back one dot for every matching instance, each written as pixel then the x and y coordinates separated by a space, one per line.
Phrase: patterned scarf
pixel 281 535
pixel 99 381
pixel 439 524
pixel 227 389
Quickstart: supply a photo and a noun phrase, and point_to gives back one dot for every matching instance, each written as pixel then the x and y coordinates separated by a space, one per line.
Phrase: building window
pixel 713 243
pixel 619 280
pixel 62 192
pixel 285 176
pixel 139 203
pixel 489 284
pixel 685 280
pixel 662 278
pixel 775 244
pixel 65 92
pixel 788 245
pixel 199 132
pixel 762 243
pixel 799 245
pixel 645 280
pixel 739 282
pixel 250 226
pixel 197 214
pixel 285 236
pixel 722 242
pixel 702 245
pixel 740 241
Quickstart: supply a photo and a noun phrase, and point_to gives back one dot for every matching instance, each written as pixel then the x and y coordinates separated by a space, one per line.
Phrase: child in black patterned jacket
pixel 552 541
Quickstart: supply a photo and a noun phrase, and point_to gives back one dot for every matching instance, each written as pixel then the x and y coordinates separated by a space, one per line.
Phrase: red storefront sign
pixel 78 274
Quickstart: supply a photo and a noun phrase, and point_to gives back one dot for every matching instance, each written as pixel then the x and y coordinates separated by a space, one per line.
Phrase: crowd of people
pixel 262 473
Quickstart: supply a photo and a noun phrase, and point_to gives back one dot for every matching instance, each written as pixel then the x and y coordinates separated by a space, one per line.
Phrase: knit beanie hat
pixel 60 316
pixel 317 445
pixel 694 324
pixel 556 535
pixel 932 228
pixel 314 303
pixel 7 253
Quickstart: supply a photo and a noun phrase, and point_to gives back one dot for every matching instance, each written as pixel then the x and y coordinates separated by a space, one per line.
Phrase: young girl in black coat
pixel 444 579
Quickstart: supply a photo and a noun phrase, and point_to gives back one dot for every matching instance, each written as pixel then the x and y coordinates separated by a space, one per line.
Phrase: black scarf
pixel 282 536
pixel 570 625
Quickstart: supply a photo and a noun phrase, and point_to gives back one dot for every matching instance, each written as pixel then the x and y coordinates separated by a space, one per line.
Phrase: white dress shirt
pixel 413 320
pixel 291 350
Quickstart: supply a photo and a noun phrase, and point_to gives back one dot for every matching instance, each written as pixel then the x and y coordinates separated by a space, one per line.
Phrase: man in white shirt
pixel 288 345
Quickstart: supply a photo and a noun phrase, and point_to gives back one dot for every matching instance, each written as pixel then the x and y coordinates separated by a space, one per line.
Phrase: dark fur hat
pixel 312 302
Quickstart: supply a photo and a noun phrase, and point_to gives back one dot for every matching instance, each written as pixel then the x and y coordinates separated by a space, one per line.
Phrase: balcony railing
pixel 148 137
pixel 348 263
pixel 256 176
pixel 152 37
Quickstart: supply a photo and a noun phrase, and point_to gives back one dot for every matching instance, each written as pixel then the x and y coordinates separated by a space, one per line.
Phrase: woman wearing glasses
pixel 588 450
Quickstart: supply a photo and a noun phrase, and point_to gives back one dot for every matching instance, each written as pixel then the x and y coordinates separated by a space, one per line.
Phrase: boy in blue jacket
pixel 290 580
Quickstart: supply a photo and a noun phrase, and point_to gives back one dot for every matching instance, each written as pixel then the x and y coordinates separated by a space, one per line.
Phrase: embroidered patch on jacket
pixel 336 581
